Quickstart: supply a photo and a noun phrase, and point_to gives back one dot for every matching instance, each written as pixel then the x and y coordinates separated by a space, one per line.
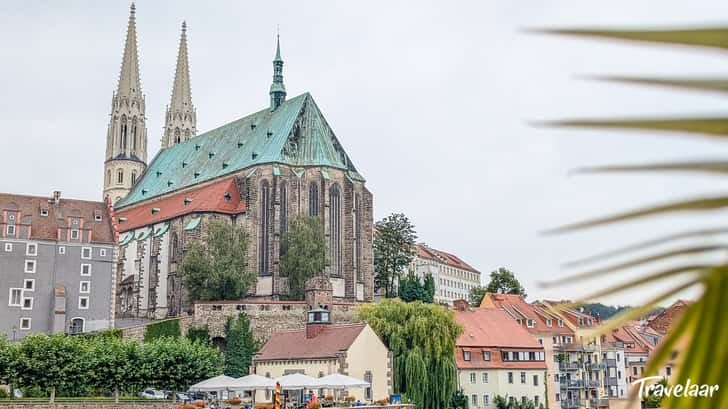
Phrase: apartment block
pixel 454 278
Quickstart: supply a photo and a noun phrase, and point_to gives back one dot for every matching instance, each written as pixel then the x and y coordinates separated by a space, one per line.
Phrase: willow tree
pixel 694 258
pixel 422 339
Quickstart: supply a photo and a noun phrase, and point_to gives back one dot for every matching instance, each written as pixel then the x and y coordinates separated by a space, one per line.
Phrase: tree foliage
pixel 47 365
pixel 421 338
pixel 215 266
pixel 475 297
pixel 241 346
pixel 199 334
pixel 412 288
pixel 503 281
pixel 394 250
pixel 303 253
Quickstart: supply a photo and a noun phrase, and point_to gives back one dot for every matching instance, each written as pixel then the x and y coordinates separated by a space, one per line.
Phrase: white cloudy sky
pixel 430 99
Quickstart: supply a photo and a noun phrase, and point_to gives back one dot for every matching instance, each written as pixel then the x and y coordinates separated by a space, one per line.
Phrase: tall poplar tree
pixel 394 250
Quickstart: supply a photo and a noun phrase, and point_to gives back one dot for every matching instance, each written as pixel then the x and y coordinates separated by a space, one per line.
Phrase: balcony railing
pixel 599 403
pixel 572 366
pixel 570 404
pixel 573 384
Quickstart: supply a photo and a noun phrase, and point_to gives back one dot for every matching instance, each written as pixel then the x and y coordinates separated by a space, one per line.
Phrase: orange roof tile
pixel 429 253
pixel 517 307
pixel 220 197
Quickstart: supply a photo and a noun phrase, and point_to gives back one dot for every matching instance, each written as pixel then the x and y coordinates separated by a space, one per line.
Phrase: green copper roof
pixel 161 230
pixel 127 238
pixel 294 134
pixel 144 234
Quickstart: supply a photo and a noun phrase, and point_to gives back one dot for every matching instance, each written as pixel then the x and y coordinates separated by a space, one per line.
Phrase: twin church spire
pixel 126 141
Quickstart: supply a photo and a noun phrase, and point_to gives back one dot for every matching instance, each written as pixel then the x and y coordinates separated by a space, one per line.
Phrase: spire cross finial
pixel 132 8
pixel 184 25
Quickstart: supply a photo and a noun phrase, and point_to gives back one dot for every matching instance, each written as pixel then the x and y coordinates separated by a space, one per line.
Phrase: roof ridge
pixel 49 198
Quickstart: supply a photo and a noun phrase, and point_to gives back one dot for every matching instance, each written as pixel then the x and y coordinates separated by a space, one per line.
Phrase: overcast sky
pixel 430 99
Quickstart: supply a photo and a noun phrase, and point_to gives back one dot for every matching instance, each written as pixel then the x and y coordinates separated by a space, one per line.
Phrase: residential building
pixel 547 327
pixel 453 277
pixel 257 172
pixel 497 357
pixel 322 348
pixel 56 264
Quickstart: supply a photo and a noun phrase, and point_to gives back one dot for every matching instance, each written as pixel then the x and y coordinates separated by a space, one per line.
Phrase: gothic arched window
pixel 357 237
pixel 335 229
pixel 76 326
pixel 313 199
pixel 284 213
pixel 174 247
pixel 133 135
pixel 123 133
pixel 176 135
pixel 264 227
pixel 108 177
pixel 120 176
pixel 187 134
pixel 133 176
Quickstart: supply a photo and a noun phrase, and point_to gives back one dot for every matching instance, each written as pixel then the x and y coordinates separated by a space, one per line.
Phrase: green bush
pixel 166 328
pixel 3 393
pixel 199 334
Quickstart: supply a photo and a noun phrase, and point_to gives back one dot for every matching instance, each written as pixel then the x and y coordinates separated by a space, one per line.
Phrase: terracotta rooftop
pixel 492 329
pixel 663 321
pixel 28 209
pixel 220 197
pixel 444 257
pixel 517 307
pixel 293 345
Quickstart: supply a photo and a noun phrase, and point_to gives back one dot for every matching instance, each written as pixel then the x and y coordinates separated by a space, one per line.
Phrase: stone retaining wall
pixel 87 405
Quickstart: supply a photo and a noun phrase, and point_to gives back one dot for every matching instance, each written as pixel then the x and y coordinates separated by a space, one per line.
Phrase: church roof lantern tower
pixel 277 89
pixel 126 138
pixel 180 121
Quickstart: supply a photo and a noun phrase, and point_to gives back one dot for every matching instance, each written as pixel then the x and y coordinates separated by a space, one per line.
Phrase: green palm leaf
pixel 719 167
pixel 704 37
pixel 700 84
pixel 694 205
pixel 708 126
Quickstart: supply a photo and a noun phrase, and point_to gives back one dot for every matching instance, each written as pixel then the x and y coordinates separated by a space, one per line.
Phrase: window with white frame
pixel 62 250
pixel 486 400
pixel 485 377
pixel 74 234
pixel 11 230
pixel 530 323
pixel 486 355
pixel 31 249
pixel 85 269
pixel 44 212
pixel 83 303
pixel 8 247
pixel 474 399
pixel 102 252
pixel 30 266
pixel 85 287
pixel 29 284
pixel 27 303
pixel 561 323
pixel 15 299
pixel 86 253
pixel 25 323
pixel 549 322
pixel 473 378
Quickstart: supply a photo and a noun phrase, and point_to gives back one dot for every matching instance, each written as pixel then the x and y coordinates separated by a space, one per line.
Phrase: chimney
pixel 56 196
pixel 318 319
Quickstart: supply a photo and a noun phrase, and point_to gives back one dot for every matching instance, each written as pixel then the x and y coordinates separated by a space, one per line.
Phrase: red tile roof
pixel 59 216
pixel 206 198
pixel 663 321
pixel 293 345
pixel 491 329
pixel 518 308
pixel 440 256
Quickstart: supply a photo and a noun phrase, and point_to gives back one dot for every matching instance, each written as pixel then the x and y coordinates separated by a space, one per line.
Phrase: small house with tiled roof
pixel 56 265
pixel 495 356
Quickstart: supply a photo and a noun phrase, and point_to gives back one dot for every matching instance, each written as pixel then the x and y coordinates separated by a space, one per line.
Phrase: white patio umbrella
pixel 217 383
pixel 297 381
pixel 253 382
pixel 339 381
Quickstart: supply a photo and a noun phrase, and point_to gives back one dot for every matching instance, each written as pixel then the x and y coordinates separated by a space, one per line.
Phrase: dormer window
pixel 466 355
pixel 549 322
pixel 44 212
pixel 561 323
pixel 318 316
pixel 530 323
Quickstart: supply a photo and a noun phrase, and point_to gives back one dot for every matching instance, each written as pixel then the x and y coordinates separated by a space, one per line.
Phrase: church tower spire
pixel 126 138
pixel 277 89
pixel 180 122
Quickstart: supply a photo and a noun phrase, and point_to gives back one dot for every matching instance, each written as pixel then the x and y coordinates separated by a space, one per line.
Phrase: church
pixel 258 172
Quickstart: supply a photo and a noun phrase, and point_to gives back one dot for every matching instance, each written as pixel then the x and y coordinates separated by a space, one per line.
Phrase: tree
pixel 53 362
pixel 504 282
pixel 214 267
pixel 411 288
pixel 459 400
pixel 421 338
pixel 199 334
pixel 9 362
pixel 114 365
pixel 394 250
pixel 177 363
pixel 476 295
pixel 304 253
pixel 241 346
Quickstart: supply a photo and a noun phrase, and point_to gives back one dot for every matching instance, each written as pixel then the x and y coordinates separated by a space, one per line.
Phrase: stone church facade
pixel 257 172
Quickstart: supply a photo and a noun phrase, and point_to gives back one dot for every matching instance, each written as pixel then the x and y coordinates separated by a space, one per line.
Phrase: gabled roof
pixel 293 345
pixel 46 227
pixel 263 137
pixel 444 257
pixel 663 321
pixel 221 196
pixel 518 308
